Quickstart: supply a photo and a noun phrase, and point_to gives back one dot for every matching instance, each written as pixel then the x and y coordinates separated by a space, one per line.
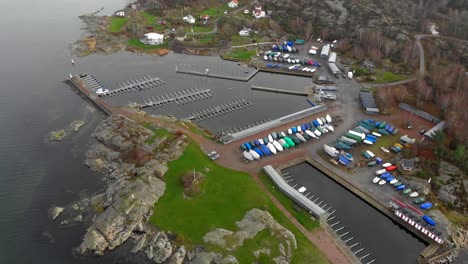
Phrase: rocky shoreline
pixel 134 161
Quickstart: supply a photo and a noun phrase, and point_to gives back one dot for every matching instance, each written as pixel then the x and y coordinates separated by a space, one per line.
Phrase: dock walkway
pixel 179 97
pixel 219 76
pixel 220 110
pixel 135 85
pixel 275 90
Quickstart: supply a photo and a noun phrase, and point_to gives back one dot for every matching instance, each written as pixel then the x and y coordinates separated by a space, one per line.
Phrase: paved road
pixel 422 62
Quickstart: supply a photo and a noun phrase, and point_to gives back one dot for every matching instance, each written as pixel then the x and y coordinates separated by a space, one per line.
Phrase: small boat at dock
pixel 426 205
pixel 382 182
pixel 392 182
pixel 247 156
pixel 328 118
pixel 384 150
pixel 376 180
pixel 331 150
pixel 414 194
pixel 270 138
pixel 329 127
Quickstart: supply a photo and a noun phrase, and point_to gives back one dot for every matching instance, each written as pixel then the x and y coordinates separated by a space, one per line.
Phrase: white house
pixel 233 4
pixel 433 28
pixel 244 33
pixel 120 14
pixel 189 19
pixel 152 39
pixel 258 12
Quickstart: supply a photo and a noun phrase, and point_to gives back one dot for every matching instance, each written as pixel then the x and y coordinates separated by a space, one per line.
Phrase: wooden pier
pixel 81 82
pixel 135 85
pixel 275 90
pixel 220 110
pixel 179 97
pixel 207 73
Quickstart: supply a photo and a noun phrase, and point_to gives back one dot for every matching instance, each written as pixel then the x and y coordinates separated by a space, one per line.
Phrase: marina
pixel 179 97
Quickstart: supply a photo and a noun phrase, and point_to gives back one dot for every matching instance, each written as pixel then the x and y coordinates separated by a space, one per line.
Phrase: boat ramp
pixel 179 97
pixel 135 85
pixel 220 110
pixel 207 73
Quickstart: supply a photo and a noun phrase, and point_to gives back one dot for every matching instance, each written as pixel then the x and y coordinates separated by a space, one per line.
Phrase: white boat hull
pixel 385 165
pixel 329 127
pixel 289 131
pixel 270 138
pixel 310 133
pixel 300 137
pixel 382 182
pixel 328 118
pixel 271 148
pixel 367 142
pixel 376 180
pixel 317 132
pixel 393 181
pixel 261 141
pixel 247 156
pixel 414 194
pixel 331 150
pixel 277 146
pixel 299 129
pixel 254 154
pixel 376 134
pixel 319 121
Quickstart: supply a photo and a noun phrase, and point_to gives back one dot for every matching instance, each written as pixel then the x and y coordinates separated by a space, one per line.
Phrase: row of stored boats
pixel 384 176
pixel 279 141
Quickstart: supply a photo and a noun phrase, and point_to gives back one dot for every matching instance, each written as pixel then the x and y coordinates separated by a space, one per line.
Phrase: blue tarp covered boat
pixel 259 152
pixel 373 140
pixel 429 220
pixel 401 187
pixel 257 143
pixel 387 126
pixel 307 125
pixel 343 160
pixel 303 127
pixel 390 129
pixel 315 123
pixel 294 129
pixel 426 205
pixel 265 150
pixel 377 124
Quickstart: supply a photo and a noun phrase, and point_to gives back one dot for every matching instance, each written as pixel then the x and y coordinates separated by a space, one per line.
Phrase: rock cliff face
pixel 129 156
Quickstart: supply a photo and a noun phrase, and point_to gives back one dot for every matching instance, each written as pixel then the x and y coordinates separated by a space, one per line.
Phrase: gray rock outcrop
pixel 55 211
pixel 128 201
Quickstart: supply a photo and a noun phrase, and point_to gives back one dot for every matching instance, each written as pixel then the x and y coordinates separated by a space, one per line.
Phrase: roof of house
pixel 153 35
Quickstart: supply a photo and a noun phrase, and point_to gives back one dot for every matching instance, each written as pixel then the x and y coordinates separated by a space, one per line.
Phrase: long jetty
pixel 135 85
pixel 220 110
pixel 78 81
pixel 179 97
pixel 219 76
pixel 275 90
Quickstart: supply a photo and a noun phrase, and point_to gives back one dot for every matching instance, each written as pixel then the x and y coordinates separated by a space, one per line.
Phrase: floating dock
pixel 207 73
pixel 220 110
pixel 275 90
pixel 135 85
pixel 179 97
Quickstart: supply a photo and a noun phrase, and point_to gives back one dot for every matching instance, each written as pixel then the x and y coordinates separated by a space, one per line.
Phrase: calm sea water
pixel 35 60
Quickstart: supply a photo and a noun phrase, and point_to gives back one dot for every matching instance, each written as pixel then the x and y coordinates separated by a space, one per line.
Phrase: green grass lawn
pixel 225 198
pixel 199 29
pixel 386 76
pixel 135 42
pixel 240 54
pixel 152 21
pixel 116 24
pixel 302 216
pixel 214 12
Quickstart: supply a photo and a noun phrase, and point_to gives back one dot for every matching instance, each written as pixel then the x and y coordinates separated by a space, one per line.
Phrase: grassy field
pixel 386 76
pixel 200 29
pixel 240 54
pixel 152 21
pixel 225 198
pixel 134 42
pixel 301 215
pixel 215 12
pixel 116 24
